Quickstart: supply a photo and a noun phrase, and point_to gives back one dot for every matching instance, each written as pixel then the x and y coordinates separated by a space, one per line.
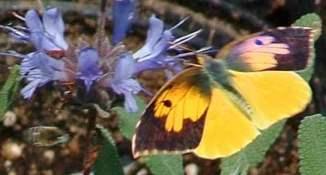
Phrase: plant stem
pixel 91 116
pixel 101 23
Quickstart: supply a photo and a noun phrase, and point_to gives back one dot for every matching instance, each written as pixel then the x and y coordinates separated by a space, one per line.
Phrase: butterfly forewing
pixel 284 48
pixel 174 119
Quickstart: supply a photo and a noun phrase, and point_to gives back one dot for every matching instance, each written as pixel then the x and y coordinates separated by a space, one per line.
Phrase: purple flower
pixel 155 52
pixel 38 69
pixel 109 67
pixel 49 34
pixel 123 12
pixel 46 34
pixel 122 82
pixel 88 67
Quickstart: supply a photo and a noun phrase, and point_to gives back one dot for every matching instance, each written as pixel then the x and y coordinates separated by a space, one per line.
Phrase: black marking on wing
pixel 299 40
pixel 151 134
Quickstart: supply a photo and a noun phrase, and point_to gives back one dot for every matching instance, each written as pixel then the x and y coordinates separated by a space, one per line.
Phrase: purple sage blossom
pixel 88 67
pixel 123 12
pixel 38 69
pixel 122 82
pixel 46 33
pixel 109 67
pixel 155 52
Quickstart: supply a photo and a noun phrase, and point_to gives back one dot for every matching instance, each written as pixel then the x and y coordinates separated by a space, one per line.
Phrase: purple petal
pixel 54 27
pixel 128 88
pixel 130 103
pixel 154 54
pixel 156 27
pixel 124 67
pixel 123 84
pixel 35 27
pixel 38 69
pixel 147 65
pixel 52 21
pixel 40 60
pixel 48 44
pixel 156 57
pixel 123 12
pixel 88 66
pixel 33 21
pixel 154 33
pixel 48 35
pixel 28 91
pixel 161 46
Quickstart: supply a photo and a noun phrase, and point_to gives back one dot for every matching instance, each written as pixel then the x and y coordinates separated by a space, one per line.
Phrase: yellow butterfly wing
pixel 182 118
pixel 273 95
pixel 226 128
pixel 174 120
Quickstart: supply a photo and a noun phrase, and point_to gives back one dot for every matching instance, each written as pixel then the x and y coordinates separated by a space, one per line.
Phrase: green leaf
pixel 165 164
pixel 8 90
pixel 312 130
pixel 108 162
pixel 309 20
pixel 254 153
pixel 128 120
pixel 312 145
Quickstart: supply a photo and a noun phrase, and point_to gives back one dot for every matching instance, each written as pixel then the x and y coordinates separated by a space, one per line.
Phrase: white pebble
pixel 9 119
pixel 191 169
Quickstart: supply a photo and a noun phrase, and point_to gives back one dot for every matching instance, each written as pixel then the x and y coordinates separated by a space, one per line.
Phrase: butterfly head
pixel 216 69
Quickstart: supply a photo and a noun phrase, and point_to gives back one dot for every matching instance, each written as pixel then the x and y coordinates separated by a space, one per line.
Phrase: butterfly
pixel 217 108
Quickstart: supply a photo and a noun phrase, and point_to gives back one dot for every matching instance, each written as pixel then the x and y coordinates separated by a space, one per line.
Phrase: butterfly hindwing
pixel 283 48
pixel 174 119
pixel 269 96
pixel 273 95
pixel 226 128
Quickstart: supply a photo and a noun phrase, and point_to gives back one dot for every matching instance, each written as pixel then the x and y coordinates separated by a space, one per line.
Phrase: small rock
pixel 12 173
pixel 9 119
pixel 11 150
pixel 191 169
pixel 8 164
pixel 142 171
pixel 49 156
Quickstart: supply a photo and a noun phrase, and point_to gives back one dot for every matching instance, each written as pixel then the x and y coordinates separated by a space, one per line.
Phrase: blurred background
pixel 221 21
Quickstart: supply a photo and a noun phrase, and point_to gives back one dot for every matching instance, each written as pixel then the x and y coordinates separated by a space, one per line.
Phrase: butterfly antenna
pixel 204 50
pixel 193 65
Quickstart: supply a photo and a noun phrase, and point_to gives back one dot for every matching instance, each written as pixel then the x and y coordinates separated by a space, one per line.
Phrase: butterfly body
pixel 220 78
pixel 216 70
pixel 217 108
